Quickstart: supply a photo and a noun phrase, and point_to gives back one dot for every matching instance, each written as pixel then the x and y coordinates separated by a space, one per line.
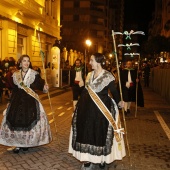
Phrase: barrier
pixel 160 82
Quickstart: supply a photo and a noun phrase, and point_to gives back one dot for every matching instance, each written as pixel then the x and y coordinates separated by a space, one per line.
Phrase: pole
pixel 118 74
pixel 42 59
pixel 136 108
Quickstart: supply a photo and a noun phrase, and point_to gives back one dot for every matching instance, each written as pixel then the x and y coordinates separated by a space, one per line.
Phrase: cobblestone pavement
pixel 147 139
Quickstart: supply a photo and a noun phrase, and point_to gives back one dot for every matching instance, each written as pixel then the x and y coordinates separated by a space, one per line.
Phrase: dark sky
pixel 139 12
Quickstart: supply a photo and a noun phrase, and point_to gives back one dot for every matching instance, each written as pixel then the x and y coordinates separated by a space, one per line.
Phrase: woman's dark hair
pixel 21 58
pixel 100 58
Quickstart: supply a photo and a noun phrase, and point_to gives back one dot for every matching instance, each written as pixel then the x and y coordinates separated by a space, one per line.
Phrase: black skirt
pixel 23 112
pixel 91 130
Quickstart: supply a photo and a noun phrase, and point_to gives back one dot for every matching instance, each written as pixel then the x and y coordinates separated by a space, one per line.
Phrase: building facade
pixel 26 26
pixel 90 19
pixel 160 24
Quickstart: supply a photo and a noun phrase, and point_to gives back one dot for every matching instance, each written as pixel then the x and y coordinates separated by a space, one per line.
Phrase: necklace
pixel 24 71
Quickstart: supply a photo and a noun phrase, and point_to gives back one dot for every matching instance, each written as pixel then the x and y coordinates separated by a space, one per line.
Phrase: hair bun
pixel 103 62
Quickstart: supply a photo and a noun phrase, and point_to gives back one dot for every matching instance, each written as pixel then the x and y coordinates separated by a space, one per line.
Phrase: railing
pixel 160 82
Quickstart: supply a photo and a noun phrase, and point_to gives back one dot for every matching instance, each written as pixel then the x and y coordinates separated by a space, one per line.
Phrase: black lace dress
pixel 25 123
pixel 92 136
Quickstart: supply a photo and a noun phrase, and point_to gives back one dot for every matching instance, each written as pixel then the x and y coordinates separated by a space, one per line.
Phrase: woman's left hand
pixel 46 87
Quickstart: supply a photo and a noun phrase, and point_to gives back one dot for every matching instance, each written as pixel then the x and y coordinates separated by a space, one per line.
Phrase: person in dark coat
pixel 129 79
pixel 9 80
pixel 146 71
pixel 5 65
pixel 11 62
pixel 77 77
pixel 2 84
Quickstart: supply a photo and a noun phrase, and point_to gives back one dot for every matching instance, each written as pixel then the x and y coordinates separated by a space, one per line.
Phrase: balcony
pixel 30 9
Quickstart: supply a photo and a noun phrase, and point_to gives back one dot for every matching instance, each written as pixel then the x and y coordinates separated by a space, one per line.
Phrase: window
pixel 46 7
pixel 76 17
pixel 84 4
pixel 84 18
pixel 76 4
pixel 67 18
pixel 68 4
pixel 21 45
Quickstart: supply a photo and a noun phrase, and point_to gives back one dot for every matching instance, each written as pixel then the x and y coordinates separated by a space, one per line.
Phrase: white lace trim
pixel 100 82
pixel 29 78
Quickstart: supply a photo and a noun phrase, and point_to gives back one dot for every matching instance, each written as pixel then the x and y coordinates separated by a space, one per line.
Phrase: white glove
pixel 127 84
pixel 81 83
pixel 121 104
pixel 46 88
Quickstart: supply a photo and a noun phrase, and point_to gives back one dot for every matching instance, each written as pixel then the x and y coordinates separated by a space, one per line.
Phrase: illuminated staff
pixel 118 74
pixel 132 55
pixel 42 59
pixel 128 45
pixel 128 34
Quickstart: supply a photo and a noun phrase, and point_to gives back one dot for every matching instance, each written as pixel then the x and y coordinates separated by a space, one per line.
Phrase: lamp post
pixel 88 43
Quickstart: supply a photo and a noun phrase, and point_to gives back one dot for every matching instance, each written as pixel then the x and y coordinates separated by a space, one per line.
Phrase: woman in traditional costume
pixel 96 135
pixel 25 123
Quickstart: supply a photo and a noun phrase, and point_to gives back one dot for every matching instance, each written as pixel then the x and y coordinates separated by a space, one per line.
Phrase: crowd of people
pixel 7 68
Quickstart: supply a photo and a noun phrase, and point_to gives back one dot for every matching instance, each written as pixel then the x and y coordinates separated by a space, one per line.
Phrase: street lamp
pixel 111 59
pixel 110 55
pixel 88 43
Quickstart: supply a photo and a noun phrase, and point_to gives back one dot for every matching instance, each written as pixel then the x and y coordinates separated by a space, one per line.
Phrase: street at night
pixel 84 85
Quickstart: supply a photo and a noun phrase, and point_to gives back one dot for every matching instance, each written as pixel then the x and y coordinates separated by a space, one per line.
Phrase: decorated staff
pixel 131 54
pixel 128 45
pixel 117 65
pixel 42 59
pixel 128 34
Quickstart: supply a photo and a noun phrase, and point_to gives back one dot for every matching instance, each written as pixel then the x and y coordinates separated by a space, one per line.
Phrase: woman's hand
pixel 46 88
pixel 121 104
